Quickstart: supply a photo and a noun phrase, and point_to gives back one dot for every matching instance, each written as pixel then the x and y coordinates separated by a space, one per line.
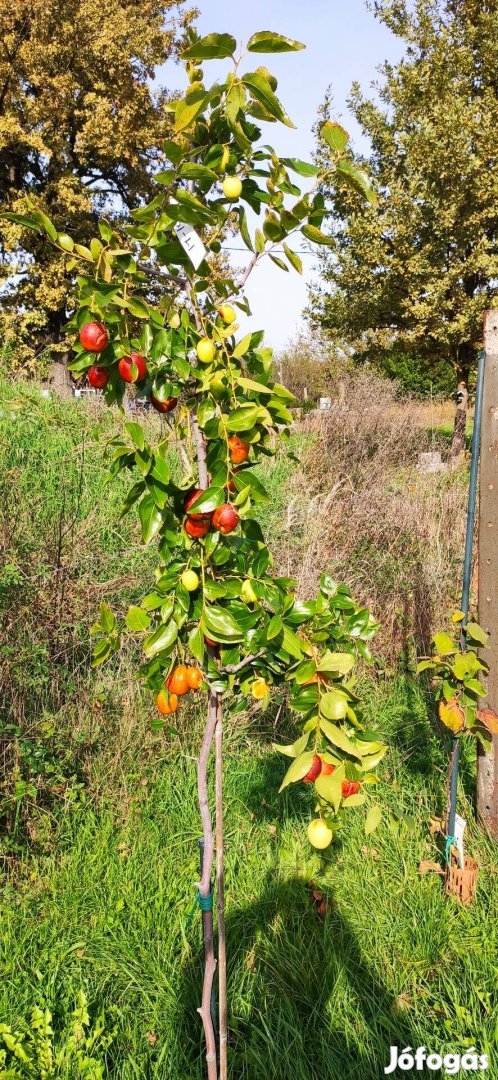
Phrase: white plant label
pixel 460 825
pixel 191 243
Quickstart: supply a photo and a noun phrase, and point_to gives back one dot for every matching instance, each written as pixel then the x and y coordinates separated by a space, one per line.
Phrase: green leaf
pixel 300 766
pixel 135 431
pixel 444 645
pixel 274 627
pixel 330 787
pixel 373 818
pixel 107 619
pixel 337 663
pixel 335 135
pixel 304 168
pixel 261 89
pixel 244 231
pixel 294 749
pixel 46 223
pixel 292 643
pixel 354 800
pixel 235 101
pixel 244 418
pixel 333 706
pixel 242 347
pixel 150 517
pixel 475 687
pixel 250 384
pixel 212 497
pixel 186 111
pixel 211 47
pixel 19 219
pixel 220 625
pixel 312 233
pixel 162 638
pixel 476 633
pixel 267 42
pixel 191 171
pixel 338 738
pixel 294 259
pixel 196 644
pixel 137 619
pixel 358 179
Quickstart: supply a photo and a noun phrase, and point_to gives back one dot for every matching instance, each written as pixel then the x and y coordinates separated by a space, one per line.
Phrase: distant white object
pixel 431 462
pixel 45 392
pixel 325 403
pixel 79 391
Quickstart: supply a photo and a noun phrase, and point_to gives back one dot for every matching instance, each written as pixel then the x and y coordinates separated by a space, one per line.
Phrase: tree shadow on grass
pixel 304 1001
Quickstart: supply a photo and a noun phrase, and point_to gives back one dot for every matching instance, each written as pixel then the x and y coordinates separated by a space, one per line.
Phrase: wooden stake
pixel 204 887
pixel 220 895
pixel 487 763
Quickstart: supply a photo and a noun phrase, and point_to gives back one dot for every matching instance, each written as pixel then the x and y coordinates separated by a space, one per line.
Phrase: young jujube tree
pixel 156 310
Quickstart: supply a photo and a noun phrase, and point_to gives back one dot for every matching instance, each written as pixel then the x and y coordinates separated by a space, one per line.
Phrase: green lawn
pixel 310 998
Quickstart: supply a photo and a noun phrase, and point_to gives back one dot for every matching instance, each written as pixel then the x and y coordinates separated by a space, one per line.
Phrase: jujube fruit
pixel 194 515
pixel 196 528
pixel 205 350
pixel 350 787
pixel 127 366
pixel 93 336
pixel 314 770
pixel 319 834
pixel 225 518
pixel 178 681
pixel 239 450
pixel 194 678
pixel 227 313
pixel 190 580
pixel 166 703
pixel 98 377
pixel 163 406
pixel 232 187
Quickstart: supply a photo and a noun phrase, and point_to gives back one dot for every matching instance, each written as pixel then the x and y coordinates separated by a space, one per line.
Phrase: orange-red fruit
pixel 194 678
pixel 197 528
pixel 163 406
pixel 350 787
pixel 126 365
pixel 190 500
pixel 225 518
pixel 239 450
pixel 178 681
pixel 166 703
pixel 209 641
pixel 327 768
pixel 314 770
pixel 94 336
pixel 98 377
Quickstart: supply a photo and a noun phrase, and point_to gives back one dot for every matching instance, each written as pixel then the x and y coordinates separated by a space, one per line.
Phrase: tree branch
pixel 204 886
pixel 230 669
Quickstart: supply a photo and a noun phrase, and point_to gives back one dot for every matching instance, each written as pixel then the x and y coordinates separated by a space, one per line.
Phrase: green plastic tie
pixel 450 841
pixel 205 903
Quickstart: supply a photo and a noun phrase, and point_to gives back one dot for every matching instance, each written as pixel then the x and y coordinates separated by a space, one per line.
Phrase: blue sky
pixel 344 43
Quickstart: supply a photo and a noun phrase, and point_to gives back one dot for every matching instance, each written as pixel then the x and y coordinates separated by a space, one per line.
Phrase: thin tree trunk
pixel 220 896
pixel 465 358
pixel 204 887
pixel 60 380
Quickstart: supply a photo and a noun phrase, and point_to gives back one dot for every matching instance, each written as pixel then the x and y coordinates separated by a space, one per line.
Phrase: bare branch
pixel 230 669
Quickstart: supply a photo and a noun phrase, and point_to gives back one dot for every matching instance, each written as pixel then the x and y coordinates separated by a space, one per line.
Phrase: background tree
pixel 311 367
pixel 80 132
pixel 415 274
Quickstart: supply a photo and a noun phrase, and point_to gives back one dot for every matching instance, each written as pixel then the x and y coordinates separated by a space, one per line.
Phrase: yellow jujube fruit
pixel 205 350
pixel 247 592
pixel 259 688
pixel 190 580
pixel 232 187
pixel 319 834
pixel 227 313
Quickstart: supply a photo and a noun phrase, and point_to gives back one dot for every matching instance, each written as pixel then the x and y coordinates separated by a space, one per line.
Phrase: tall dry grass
pixel 361 507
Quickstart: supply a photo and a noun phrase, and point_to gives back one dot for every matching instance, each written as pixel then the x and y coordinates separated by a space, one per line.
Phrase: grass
pixel 391 963
pixel 100 900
